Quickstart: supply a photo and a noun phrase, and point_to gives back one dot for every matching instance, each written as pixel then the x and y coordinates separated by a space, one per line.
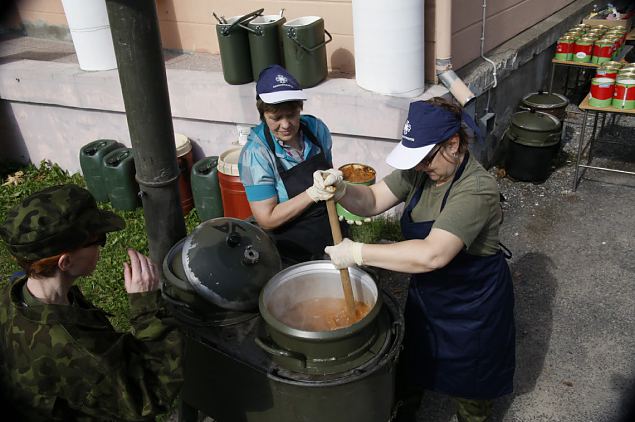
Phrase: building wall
pixel 188 24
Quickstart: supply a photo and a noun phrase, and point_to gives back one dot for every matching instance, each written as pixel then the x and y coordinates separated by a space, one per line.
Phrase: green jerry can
pixel 91 157
pixel 265 44
pixel 119 171
pixel 206 189
pixel 305 49
pixel 233 44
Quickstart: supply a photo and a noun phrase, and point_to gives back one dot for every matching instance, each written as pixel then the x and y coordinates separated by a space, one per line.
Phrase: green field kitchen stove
pixel 245 363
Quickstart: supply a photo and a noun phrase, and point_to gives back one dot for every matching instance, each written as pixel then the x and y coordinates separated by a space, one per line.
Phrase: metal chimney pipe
pixel 443 53
pixel 135 34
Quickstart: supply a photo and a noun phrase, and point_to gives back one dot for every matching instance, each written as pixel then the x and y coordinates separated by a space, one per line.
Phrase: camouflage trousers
pixel 467 410
pixel 473 410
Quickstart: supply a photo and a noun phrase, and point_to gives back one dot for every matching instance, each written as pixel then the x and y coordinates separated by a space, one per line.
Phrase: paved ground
pixel 573 268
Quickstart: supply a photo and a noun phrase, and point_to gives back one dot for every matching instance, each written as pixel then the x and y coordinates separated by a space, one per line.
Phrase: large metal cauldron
pixel 318 352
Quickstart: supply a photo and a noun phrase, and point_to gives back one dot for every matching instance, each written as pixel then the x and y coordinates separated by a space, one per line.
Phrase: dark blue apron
pixel 460 335
pixel 305 237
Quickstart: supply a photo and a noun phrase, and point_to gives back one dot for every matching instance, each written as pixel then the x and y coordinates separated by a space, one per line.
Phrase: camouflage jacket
pixel 66 362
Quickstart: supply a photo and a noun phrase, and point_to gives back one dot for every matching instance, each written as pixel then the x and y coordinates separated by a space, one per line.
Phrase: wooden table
pixel 587 108
pixel 580 65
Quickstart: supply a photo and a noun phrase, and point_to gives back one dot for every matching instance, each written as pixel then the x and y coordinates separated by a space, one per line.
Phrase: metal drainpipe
pixel 495 83
pixel 443 48
pixel 135 34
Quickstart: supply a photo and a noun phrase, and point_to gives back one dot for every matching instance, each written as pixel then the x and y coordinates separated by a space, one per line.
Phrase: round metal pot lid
pixel 544 100
pixel 535 121
pixel 228 261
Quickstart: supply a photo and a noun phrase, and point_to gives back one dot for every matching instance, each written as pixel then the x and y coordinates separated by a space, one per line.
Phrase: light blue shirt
pixel 257 165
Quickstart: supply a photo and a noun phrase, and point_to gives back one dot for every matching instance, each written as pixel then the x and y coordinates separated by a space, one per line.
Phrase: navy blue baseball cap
pixel 276 85
pixel 427 125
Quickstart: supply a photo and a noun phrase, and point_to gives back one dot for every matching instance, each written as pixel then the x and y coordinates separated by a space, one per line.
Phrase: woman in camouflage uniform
pixel 60 357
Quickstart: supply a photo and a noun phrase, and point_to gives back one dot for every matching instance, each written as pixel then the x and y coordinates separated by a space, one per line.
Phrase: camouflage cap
pixel 55 220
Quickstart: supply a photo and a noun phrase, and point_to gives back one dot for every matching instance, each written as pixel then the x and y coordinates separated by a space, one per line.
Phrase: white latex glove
pixel 345 254
pixel 327 184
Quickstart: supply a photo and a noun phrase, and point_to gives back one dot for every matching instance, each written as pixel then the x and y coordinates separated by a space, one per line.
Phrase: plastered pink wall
pixel 189 25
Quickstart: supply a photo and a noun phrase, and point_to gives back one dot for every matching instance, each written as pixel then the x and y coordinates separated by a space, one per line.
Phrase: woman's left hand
pixel 140 275
pixel 345 254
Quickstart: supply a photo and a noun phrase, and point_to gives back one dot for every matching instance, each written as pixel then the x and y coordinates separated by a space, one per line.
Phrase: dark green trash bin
pixel 91 157
pixel 119 171
pixel 206 189
pixel 305 49
pixel 233 43
pixel 265 43
pixel 533 141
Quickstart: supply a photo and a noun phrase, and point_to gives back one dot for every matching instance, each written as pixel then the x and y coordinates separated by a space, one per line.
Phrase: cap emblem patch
pixel 406 128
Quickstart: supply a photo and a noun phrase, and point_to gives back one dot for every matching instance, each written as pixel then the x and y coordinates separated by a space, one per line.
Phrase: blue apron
pixel 460 335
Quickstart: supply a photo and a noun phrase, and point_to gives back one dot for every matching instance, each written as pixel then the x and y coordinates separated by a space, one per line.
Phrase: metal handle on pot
pixel 512 136
pixel 185 312
pixel 249 16
pixel 280 352
pixel 257 30
pixel 292 35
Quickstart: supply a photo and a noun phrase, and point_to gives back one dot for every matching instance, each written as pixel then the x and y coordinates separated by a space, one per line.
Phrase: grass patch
pixel 378 229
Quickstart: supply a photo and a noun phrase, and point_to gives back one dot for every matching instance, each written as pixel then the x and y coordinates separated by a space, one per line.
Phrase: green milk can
pixel 305 49
pixel 206 189
pixel 233 44
pixel 119 172
pixel 91 158
pixel 265 44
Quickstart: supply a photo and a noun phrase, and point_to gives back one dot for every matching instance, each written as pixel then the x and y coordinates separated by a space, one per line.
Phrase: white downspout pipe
pixel 443 49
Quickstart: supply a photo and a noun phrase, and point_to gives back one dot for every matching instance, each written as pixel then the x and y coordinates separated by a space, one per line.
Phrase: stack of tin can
pixel 614 86
pixel 591 44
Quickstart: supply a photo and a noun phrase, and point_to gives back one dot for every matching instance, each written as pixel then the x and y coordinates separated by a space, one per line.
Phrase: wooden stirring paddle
pixel 344 276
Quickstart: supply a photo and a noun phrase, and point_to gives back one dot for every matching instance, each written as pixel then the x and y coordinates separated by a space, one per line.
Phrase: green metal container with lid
pixel 552 103
pixel 265 43
pixel 91 158
pixel 305 49
pixel 534 140
pixel 119 171
pixel 233 43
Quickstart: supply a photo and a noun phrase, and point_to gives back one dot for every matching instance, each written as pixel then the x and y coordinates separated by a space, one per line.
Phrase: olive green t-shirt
pixel 472 211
